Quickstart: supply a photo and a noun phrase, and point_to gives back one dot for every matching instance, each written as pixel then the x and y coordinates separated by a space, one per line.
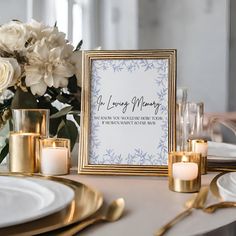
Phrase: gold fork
pixel 197 202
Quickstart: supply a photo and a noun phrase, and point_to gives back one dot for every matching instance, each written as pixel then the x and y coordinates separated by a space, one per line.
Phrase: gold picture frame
pixel 133 85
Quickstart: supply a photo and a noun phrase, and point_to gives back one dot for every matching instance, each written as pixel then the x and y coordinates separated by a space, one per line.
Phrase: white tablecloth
pixel 150 204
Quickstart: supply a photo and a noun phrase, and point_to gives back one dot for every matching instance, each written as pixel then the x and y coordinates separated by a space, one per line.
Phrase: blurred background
pixel 202 31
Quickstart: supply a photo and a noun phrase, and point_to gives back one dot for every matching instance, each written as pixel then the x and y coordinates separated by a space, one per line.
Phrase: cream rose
pixel 9 72
pixel 13 36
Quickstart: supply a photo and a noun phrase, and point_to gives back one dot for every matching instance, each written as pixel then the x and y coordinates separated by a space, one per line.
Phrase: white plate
pixel 232 177
pixel 221 152
pixel 227 186
pixel 27 199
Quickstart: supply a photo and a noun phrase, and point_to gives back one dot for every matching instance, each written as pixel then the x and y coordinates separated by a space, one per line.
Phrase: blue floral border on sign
pixel 138 156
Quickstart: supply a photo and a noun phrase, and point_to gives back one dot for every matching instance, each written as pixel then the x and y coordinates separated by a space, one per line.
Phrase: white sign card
pixel 129 107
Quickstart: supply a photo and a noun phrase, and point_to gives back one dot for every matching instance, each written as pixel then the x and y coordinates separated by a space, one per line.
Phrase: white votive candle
pixel 185 170
pixel 201 148
pixel 54 160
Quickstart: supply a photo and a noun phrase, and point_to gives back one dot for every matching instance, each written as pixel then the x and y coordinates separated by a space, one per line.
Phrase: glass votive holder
pixel 31 121
pixel 200 146
pixel 189 123
pixel 184 171
pixel 54 156
pixel 23 152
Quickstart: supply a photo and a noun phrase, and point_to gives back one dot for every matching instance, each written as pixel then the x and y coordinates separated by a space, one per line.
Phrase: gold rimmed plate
pixel 86 202
pixel 213 186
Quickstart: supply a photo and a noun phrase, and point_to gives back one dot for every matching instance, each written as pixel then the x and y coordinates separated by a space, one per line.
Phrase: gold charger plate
pixel 213 186
pixel 86 202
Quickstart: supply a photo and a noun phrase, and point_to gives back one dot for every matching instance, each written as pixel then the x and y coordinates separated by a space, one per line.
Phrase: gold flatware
pixel 212 208
pixel 199 199
pixel 197 202
pixel 114 212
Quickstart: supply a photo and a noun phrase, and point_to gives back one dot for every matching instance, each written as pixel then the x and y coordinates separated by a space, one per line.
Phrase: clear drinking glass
pixel 191 123
pixel 181 101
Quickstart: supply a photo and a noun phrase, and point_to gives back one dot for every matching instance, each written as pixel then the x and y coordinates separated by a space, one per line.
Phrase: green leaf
pixel 61 125
pixel 54 123
pixel 6 104
pixel 72 85
pixel 64 111
pixel 74 112
pixel 78 47
pixel 63 99
pixel 23 100
pixel 70 131
pixel 4 152
pixel 77 119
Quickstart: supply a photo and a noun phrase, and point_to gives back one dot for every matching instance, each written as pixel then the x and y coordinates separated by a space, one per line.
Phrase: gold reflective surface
pixel 214 188
pixel 23 152
pixel 31 121
pixel 86 202
pixel 114 212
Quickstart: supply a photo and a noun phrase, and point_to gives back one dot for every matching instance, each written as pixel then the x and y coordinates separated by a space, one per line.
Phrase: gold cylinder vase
pixel 23 152
pixel 31 121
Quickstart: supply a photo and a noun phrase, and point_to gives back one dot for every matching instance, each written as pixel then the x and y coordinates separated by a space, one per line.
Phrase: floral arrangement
pixel 39 69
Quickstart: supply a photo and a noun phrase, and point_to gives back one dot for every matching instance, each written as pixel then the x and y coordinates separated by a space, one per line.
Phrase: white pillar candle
pixel 201 148
pixel 185 170
pixel 54 160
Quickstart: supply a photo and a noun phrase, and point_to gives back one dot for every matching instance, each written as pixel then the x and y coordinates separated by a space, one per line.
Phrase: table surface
pixel 150 204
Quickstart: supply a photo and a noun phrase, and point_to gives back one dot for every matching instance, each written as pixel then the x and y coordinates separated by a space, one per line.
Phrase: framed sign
pixel 128 112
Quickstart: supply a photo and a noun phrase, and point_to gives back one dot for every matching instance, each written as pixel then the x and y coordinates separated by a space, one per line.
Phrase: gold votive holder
pixel 54 156
pixel 31 121
pixel 184 171
pixel 23 152
pixel 200 146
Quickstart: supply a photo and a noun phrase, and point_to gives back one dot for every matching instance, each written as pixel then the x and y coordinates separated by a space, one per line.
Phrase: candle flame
pixel 184 158
pixel 53 144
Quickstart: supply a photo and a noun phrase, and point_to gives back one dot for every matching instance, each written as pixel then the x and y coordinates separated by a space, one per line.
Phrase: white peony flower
pixel 52 36
pixel 10 71
pixel 48 68
pixel 13 36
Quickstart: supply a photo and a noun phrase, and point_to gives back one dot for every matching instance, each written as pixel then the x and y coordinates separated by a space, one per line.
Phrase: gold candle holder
pixel 31 121
pixel 23 152
pixel 200 146
pixel 184 171
pixel 54 156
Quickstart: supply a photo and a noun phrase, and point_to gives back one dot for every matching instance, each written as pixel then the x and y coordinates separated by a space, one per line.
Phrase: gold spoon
pixel 199 199
pixel 212 208
pixel 114 212
pixel 197 202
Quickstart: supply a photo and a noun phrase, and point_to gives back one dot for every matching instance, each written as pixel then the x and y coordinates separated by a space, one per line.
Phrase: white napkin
pixel 221 151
